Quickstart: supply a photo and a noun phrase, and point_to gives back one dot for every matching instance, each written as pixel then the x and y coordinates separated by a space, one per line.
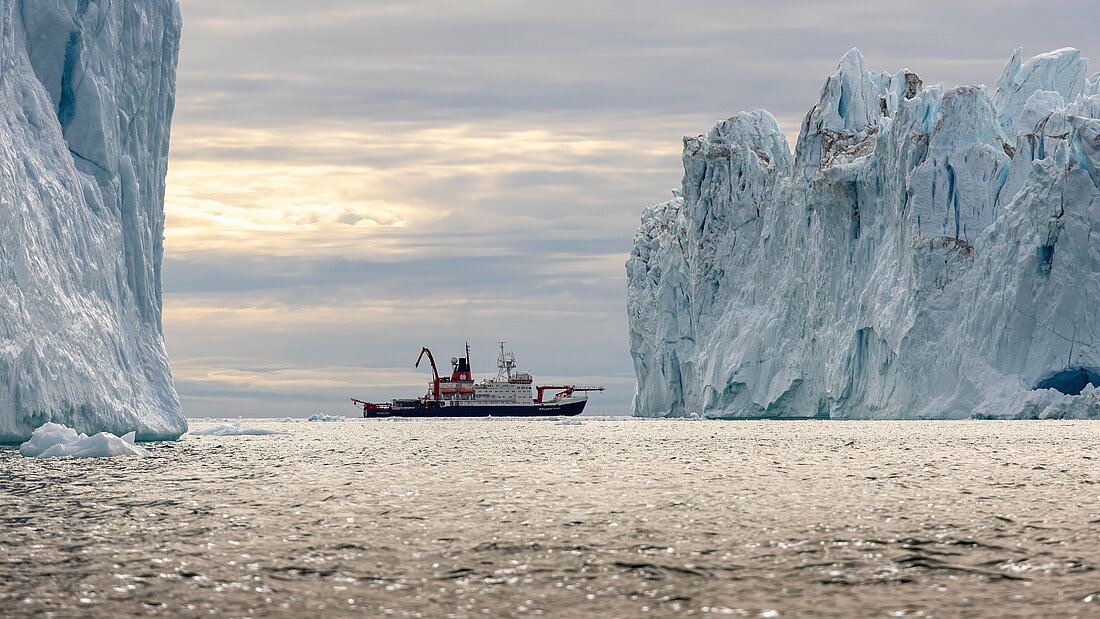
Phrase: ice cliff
pixel 922 254
pixel 87 89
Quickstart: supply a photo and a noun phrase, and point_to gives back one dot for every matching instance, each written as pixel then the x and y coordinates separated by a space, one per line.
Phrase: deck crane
pixel 435 372
pixel 566 391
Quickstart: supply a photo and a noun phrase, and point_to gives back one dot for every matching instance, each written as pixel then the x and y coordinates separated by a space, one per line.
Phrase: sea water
pixel 625 517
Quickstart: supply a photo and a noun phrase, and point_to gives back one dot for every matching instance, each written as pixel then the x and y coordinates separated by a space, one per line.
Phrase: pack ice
pixel 87 89
pixel 923 254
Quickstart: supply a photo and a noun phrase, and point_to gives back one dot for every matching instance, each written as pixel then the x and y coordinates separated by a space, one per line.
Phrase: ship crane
pixel 369 407
pixel 435 372
pixel 566 391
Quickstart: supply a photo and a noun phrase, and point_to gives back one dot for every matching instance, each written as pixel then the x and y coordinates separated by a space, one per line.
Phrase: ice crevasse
pixel 87 90
pixel 924 253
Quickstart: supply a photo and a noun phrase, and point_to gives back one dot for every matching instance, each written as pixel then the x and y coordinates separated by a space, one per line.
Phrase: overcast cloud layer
pixel 350 181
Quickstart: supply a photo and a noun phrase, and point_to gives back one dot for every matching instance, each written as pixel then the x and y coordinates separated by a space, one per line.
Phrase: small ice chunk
pixel 234 429
pixel 570 422
pixel 324 417
pixel 53 439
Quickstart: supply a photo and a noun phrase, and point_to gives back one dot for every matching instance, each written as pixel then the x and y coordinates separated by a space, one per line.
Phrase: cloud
pixel 255 64
pixel 313 189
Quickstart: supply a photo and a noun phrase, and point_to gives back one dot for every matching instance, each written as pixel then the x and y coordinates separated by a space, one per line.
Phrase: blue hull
pixel 546 409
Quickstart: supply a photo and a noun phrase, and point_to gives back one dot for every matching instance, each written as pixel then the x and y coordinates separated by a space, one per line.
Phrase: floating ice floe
pixel 570 422
pixel 53 440
pixel 234 429
pixel 612 418
pixel 324 417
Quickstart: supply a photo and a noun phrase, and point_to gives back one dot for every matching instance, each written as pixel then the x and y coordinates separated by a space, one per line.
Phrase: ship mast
pixel 506 362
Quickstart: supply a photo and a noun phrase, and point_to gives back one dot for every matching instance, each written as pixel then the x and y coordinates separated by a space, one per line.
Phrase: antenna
pixel 506 362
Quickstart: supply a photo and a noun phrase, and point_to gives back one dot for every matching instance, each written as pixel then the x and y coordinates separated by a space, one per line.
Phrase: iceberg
pixel 87 91
pixel 53 440
pixel 923 253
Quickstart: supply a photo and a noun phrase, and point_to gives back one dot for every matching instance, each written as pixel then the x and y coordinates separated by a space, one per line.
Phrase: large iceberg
pixel 923 254
pixel 87 89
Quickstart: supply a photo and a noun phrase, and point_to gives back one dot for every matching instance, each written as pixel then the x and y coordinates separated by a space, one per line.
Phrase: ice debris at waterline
pixel 52 440
pixel 923 254
pixel 86 97
pixel 233 429
pixel 324 417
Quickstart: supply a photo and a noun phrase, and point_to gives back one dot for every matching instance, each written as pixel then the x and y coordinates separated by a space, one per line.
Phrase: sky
pixel 351 180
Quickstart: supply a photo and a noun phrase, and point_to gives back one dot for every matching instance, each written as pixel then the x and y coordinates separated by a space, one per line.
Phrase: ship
pixel 509 394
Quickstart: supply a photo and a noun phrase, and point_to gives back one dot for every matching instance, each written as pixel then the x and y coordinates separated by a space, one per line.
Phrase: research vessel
pixel 509 394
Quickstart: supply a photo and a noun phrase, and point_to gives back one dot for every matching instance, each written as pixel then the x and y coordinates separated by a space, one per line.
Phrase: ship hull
pixel 545 409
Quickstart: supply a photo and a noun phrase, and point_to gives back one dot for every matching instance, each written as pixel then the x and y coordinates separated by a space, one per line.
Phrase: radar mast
pixel 506 362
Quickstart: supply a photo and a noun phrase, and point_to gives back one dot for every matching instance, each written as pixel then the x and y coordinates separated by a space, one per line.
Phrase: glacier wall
pixel 924 253
pixel 87 89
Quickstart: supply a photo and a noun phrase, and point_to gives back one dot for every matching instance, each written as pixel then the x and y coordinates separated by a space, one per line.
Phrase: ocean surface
pixel 615 518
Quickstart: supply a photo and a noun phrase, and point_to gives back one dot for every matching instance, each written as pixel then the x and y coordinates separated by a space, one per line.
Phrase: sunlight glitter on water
pixel 614 517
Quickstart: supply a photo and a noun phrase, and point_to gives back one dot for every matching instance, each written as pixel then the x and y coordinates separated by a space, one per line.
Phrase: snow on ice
pixel 53 440
pixel 86 96
pixel 924 253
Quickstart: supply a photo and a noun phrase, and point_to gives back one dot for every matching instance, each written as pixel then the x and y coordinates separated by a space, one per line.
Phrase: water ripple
pixel 613 517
